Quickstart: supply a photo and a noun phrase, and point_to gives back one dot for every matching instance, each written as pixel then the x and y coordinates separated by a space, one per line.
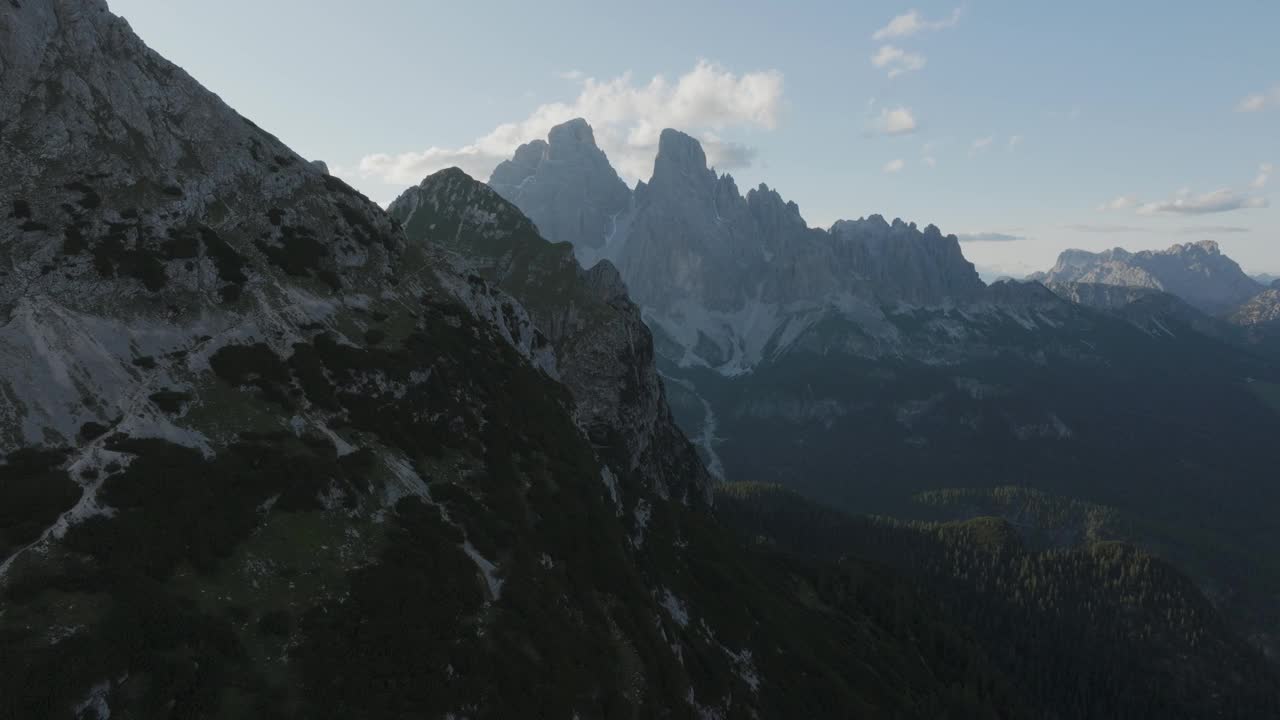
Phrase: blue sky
pixel 992 118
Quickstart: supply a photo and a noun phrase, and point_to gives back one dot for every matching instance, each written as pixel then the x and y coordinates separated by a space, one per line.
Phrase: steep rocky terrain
pixel 726 281
pixel 571 178
pixel 1261 309
pixel 864 364
pixel 604 352
pixel 1199 273
pixel 266 456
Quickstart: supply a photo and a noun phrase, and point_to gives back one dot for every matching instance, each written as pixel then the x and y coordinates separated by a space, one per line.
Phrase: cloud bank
pixel 895 121
pixel 1259 101
pixel 989 237
pixel 896 60
pixel 913 22
pixel 627 117
pixel 1186 203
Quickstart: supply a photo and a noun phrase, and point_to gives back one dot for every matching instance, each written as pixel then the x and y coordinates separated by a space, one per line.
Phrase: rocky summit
pixel 1196 272
pixel 725 280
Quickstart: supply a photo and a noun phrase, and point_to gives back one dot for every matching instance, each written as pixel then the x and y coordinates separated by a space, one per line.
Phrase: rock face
pixel 1261 309
pixel 1196 272
pixel 724 280
pixel 604 352
pixel 904 265
pixel 142 216
pixel 566 186
pixel 1101 295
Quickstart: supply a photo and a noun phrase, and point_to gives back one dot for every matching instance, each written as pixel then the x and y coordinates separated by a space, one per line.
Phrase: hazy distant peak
pixel 1197 272
pixel 571 133
pixel 679 151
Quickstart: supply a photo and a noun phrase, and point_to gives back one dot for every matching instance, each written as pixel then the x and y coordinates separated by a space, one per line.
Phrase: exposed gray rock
pixel 1261 309
pixel 565 185
pixel 726 280
pixel 1101 295
pixel 903 264
pixel 604 352
pixel 1196 272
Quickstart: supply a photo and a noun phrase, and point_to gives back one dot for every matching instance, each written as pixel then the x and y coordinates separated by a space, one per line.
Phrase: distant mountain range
pixel 730 280
pixel 1196 272
pixel 866 362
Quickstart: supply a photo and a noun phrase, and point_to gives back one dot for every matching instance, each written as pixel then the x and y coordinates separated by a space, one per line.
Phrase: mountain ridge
pixel 1197 272
pixel 723 275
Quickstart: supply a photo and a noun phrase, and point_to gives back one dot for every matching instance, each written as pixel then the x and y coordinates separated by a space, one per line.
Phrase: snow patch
pixel 675 607
pixel 642 513
pixel 488 571
pixel 707 439
pixel 95 703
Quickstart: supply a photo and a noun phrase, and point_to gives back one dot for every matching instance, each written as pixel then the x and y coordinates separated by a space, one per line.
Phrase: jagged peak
pixel 452 191
pixel 1210 247
pixel 448 177
pixel 530 153
pixel 764 196
pixel 575 132
pixel 680 151
pixel 605 282
pixel 728 185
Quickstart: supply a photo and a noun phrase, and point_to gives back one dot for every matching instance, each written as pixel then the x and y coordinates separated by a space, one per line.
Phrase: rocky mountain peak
pixel 1209 247
pixel 774 214
pixel 566 185
pixel 697 254
pixel 574 133
pixel 1198 272
pixel 606 282
pixel 902 263
pixel 604 353
pixel 679 156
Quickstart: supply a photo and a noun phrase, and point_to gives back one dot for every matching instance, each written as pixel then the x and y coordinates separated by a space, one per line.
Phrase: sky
pixel 1024 127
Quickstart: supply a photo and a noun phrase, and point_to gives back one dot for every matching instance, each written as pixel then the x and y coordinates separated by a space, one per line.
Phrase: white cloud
pixel 981 144
pixel 1108 229
pixel 913 22
pixel 1073 113
pixel 989 237
pixel 1213 230
pixel 574 75
pixel 930 160
pixel 1188 230
pixel 1015 141
pixel 627 119
pixel 727 155
pixel 894 166
pixel 1260 100
pixel 896 60
pixel 1119 202
pixel 896 121
pixel 1185 203
pixel 1264 174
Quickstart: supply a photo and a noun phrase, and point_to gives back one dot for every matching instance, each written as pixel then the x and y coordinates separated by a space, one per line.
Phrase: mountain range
pixel 272 451
pixel 864 363
pixel 1196 272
